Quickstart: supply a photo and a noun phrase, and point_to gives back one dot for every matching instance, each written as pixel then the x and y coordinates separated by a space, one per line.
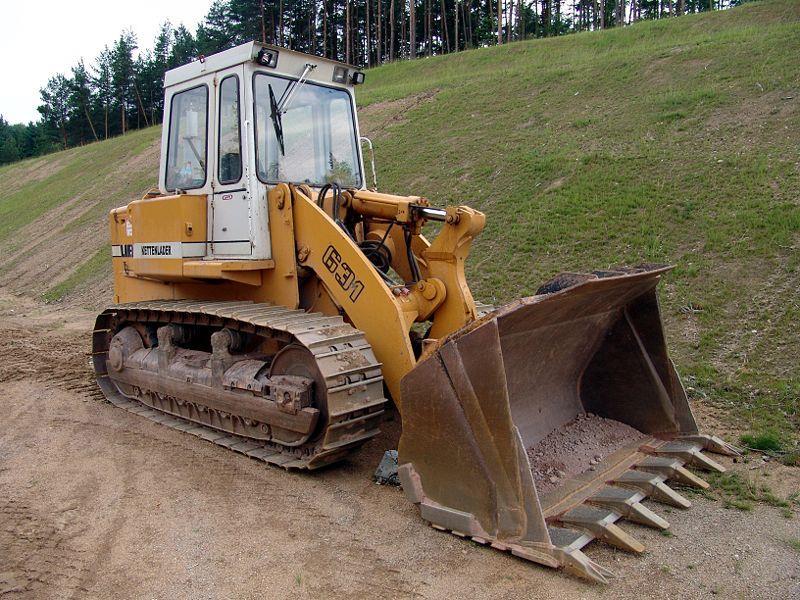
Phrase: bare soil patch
pixel 377 117
pixel 97 502
pixel 35 170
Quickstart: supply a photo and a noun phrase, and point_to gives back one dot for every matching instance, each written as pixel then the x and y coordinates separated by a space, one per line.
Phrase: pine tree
pixel 104 86
pixel 55 106
pixel 81 101
pixel 122 76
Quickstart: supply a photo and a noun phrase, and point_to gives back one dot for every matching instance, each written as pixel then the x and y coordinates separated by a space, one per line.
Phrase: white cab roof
pixel 289 63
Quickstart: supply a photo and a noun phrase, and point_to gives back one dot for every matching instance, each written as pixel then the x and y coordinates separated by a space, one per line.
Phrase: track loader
pixel 267 301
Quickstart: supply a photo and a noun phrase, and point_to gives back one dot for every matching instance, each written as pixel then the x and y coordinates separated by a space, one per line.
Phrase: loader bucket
pixel 538 427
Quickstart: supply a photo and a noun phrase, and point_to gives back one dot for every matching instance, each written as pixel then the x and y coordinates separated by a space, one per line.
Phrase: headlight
pixel 267 57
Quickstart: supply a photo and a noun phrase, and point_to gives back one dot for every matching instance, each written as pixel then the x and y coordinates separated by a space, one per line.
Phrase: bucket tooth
pixel 601 522
pixel 568 544
pixel 672 468
pixel 712 443
pixel 580 565
pixel 689 453
pixel 628 504
pixel 653 485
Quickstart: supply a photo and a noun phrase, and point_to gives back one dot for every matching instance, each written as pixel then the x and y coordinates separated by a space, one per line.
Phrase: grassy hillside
pixel 53 214
pixel 670 141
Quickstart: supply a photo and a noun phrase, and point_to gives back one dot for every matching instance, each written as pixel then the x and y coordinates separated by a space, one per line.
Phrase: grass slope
pixel 673 141
pixel 53 213
pixel 670 141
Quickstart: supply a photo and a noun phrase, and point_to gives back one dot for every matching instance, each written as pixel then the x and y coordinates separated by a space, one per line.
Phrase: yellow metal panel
pixel 281 284
pixel 357 287
pixel 243 271
pixel 180 218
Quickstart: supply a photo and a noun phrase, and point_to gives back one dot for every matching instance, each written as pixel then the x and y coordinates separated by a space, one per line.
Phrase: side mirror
pixel 368 142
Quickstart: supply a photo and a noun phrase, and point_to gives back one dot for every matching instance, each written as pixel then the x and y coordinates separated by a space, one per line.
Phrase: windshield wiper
pixel 275 115
pixel 279 107
pixel 291 90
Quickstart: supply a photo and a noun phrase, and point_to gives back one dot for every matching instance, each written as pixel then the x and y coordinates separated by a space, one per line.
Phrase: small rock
pixel 386 472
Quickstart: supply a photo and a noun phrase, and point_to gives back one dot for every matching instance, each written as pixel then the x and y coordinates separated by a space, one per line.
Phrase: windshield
pixel 319 137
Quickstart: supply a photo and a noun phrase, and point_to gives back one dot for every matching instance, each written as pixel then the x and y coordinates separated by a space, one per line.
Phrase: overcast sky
pixel 39 38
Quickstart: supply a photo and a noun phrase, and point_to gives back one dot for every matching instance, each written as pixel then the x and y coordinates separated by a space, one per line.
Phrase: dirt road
pixel 96 502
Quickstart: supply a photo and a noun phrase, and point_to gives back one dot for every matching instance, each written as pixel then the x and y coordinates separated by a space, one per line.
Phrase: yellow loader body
pixel 282 320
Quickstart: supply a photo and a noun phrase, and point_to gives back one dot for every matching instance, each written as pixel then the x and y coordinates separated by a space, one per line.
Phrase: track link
pixel 354 388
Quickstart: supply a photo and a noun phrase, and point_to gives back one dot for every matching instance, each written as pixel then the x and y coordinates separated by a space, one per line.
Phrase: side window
pixel 230 146
pixel 186 150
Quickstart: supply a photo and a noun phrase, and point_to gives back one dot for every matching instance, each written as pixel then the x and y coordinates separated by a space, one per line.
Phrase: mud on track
pixel 96 502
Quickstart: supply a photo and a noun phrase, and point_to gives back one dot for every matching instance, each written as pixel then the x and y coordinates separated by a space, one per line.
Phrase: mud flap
pixel 475 405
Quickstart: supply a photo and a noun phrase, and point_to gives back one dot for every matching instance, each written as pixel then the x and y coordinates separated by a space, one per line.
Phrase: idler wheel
pixel 297 360
pixel 123 344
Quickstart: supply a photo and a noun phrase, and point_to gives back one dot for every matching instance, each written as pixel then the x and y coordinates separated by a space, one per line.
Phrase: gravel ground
pixel 575 448
pixel 96 502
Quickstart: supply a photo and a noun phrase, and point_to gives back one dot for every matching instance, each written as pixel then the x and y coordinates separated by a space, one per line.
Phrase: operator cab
pixel 240 121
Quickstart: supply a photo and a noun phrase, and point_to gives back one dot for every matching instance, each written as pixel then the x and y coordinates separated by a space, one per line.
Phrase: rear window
pixel 186 149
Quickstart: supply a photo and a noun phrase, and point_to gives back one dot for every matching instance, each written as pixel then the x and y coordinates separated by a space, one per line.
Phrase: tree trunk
pixel 280 23
pixel 602 4
pixel 141 106
pixel 499 22
pixel 325 30
pixel 368 32
pixel 546 17
pixel 455 26
pixel 444 26
pixel 312 26
pixel 347 32
pixel 403 31
pixel 511 20
pixel 412 28
pixel 467 14
pixel 391 30
pixel 381 40
pixel 263 25
pixel 428 32
pixel 91 125
pixel 681 7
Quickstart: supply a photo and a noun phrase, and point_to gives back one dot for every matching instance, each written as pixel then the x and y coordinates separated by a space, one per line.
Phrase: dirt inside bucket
pixel 576 447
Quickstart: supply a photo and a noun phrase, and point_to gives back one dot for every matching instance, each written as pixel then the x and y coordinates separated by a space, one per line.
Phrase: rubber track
pixel 327 338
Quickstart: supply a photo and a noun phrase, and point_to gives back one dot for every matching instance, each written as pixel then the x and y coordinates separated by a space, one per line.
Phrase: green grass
pixel 73 190
pixel 670 141
pixel 85 170
pixel 766 442
pixel 740 492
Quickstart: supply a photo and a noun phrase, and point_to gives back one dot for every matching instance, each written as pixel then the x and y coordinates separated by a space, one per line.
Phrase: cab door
pixel 230 215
